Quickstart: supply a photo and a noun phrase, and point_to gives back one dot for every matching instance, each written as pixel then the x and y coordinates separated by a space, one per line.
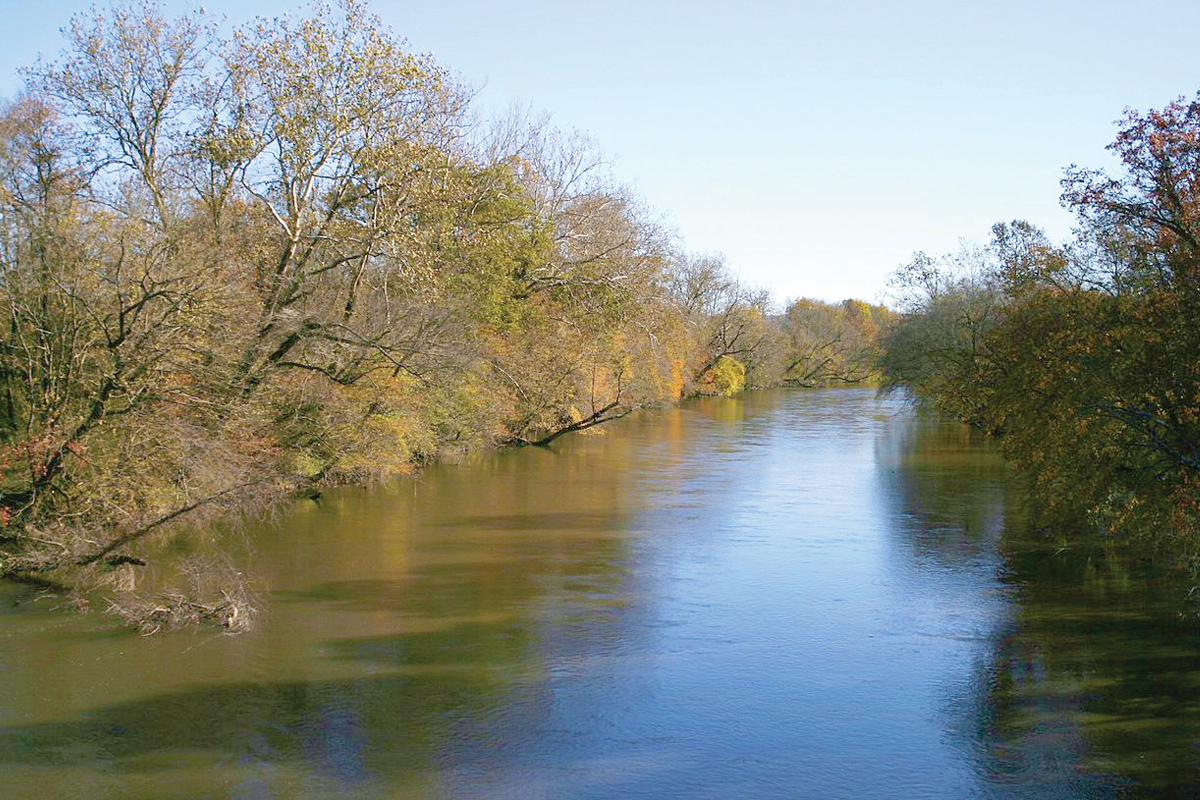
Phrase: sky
pixel 817 145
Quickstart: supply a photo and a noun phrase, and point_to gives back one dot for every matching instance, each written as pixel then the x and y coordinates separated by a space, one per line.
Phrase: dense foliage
pixel 235 267
pixel 1083 358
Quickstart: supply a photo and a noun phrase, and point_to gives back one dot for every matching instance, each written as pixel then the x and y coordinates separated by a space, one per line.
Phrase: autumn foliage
pixel 234 268
pixel 1083 358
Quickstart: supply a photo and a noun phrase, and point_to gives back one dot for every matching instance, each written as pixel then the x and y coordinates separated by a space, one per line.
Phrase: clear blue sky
pixel 816 145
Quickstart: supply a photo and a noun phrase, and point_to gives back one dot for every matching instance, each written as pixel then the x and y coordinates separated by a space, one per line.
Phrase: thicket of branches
pixel 235 266
pixel 1084 357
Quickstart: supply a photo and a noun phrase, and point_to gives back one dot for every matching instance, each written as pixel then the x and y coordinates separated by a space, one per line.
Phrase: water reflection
pixel 1096 682
pixel 1088 687
pixel 791 594
pixel 949 490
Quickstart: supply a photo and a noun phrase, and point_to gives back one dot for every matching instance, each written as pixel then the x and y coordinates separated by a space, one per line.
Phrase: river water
pixel 793 594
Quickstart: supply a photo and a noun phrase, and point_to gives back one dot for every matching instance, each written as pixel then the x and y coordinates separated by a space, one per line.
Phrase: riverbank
pixel 586 605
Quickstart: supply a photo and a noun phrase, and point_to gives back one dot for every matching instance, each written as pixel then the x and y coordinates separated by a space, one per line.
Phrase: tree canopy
pixel 237 267
pixel 1083 357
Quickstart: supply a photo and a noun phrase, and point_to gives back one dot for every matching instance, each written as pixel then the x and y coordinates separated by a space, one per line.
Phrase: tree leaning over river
pixel 232 268
pixel 1083 358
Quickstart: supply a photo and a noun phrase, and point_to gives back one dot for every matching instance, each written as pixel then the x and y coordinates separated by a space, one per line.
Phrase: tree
pixel 831 343
pixel 591 335
pixel 234 269
pixel 1082 357
pixel 175 345
pixel 1153 209
pixel 737 345
pixel 938 346
pixel 125 80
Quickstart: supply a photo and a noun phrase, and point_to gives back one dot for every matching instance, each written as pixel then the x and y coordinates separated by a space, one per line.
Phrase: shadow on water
pixel 425 666
pixel 444 690
pixel 950 492
pixel 799 594
pixel 1090 684
pixel 454 706
pixel 360 734
pixel 1099 671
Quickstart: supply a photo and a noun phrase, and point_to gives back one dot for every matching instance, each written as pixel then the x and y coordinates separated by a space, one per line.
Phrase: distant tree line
pixel 1082 358
pixel 235 267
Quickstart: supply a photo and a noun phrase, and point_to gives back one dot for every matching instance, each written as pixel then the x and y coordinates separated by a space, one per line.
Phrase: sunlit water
pixel 795 594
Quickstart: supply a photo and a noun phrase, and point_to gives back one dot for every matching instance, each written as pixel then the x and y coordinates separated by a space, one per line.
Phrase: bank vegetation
pixel 1082 358
pixel 236 268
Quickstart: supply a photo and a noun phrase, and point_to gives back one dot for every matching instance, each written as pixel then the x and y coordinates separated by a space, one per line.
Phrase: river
pixel 791 594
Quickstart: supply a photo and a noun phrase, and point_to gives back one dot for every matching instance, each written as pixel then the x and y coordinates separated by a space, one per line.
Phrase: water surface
pixel 793 594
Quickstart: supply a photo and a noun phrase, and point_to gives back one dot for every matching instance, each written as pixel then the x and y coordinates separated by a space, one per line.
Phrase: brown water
pixel 795 594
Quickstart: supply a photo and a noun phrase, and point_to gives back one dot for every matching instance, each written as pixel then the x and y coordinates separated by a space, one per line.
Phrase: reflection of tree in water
pixel 1100 668
pixel 949 493
pixel 441 688
pixel 1091 689
pixel 354 733
pixel 423 623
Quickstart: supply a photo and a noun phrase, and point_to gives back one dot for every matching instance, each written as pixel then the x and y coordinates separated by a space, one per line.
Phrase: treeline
pixel 235 267
pixel 1082 358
